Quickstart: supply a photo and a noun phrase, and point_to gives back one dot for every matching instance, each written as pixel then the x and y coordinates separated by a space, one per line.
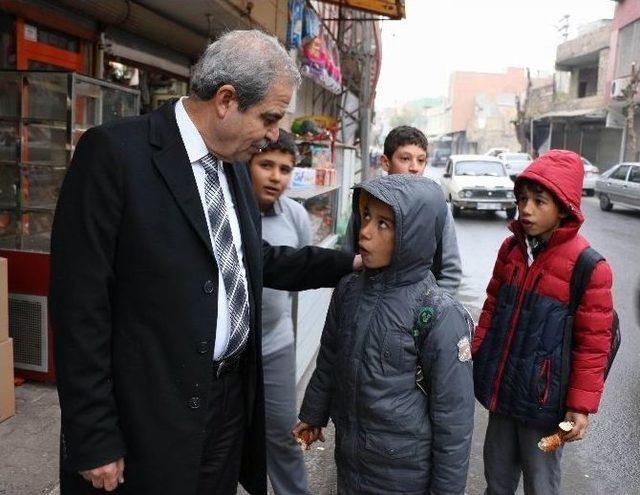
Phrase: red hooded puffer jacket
pixel 517 344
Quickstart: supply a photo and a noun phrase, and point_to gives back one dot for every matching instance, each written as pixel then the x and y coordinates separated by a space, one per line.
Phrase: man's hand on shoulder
pixel 106 477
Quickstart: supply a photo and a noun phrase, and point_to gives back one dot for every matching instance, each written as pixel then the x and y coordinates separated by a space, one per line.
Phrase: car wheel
pixel 511 213
pixel 455 211
pixel 605 203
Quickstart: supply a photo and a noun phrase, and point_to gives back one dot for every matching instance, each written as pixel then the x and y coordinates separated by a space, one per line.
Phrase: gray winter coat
pixel 390 436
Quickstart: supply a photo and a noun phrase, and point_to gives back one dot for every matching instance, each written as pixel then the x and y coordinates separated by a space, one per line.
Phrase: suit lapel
pixel 172 162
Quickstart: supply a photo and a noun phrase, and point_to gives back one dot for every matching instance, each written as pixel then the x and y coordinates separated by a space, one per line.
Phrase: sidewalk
pixel 29 446
pixel 29 443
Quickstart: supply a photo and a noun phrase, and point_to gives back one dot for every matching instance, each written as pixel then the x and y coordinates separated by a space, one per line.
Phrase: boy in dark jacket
pixel 387 328
pixel 517 347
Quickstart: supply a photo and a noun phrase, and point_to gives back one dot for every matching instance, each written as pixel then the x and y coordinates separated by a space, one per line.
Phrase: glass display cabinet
pixel 42 116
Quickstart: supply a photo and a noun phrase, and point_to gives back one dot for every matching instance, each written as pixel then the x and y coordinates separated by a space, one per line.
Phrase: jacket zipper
pixel 534 287
pixel 545 374
pixel 495 389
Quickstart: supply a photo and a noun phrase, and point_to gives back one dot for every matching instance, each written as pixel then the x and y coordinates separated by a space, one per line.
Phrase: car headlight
pixel 510 195
pixel 466 194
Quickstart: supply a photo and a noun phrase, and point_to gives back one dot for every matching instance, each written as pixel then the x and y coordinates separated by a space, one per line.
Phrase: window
pixel 480 168
pixel 587 82
pixel 634 176
pixel 58 39
pixel 628 49
pixel 449 167
pixel 620 173
pixel 7 42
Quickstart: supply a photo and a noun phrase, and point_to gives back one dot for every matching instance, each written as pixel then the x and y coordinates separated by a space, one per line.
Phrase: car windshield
pixel 477 168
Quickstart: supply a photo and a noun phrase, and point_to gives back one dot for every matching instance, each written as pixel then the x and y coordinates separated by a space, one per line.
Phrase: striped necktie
pixel 226 255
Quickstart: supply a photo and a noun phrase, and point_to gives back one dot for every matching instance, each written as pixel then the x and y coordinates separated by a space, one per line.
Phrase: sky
pixel 441 36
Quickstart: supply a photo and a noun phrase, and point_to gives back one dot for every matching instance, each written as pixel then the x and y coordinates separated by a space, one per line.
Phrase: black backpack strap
pixel 581 275
pixel 436 264
pixel 587 261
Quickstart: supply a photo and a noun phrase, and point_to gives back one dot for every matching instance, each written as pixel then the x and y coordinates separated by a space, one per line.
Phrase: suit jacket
pixel 134 307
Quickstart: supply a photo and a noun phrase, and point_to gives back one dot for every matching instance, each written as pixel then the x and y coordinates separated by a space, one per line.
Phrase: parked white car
pixel 591 175
pixel 515 163
pixel 477 182
pixel 620 185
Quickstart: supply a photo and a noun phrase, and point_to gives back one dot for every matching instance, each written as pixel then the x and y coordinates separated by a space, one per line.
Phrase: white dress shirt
pixel 196 149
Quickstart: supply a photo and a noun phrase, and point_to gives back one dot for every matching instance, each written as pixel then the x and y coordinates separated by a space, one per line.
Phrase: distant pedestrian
pixel 517 347
pixel 394 370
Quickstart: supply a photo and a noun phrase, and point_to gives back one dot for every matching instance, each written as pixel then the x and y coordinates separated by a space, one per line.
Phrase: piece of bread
pixel 305 438
pixel 555 441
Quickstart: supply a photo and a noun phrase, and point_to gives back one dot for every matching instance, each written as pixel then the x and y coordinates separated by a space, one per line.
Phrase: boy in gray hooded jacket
pixel 394 371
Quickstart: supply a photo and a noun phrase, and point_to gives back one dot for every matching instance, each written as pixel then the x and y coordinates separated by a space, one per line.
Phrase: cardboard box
pixel 4 301
pixel 7 392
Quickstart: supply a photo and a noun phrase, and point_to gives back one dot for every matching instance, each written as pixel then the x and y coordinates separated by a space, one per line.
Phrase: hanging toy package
pixel 294 28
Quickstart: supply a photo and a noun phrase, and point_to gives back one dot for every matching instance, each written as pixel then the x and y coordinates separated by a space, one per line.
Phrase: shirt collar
pixel 534 246
pixel 276 209
pixel 191 138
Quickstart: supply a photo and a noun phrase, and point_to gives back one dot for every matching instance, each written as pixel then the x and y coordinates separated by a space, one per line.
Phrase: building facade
pixel 481 109
pixel 570 112
pixel 625 54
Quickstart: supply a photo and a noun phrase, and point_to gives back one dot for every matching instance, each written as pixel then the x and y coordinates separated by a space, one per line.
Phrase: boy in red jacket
pixel 518 342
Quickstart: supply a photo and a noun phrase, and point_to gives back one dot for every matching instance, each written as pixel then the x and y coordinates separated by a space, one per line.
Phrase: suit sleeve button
pixel 194 402
pixel 208 287
pixel 203 347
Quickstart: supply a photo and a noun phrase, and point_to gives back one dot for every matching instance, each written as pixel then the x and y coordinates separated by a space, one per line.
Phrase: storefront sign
pixel 394 9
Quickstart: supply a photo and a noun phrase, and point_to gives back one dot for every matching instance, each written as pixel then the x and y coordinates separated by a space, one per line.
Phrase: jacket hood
pixel 562 172
pixel 420 213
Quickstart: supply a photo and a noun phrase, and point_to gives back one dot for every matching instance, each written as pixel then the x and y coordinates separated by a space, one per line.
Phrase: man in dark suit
pixel 157 270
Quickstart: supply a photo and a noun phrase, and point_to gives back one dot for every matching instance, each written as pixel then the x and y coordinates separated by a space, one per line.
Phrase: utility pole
pixel 563 27
pixel 520 122
pixel 629 93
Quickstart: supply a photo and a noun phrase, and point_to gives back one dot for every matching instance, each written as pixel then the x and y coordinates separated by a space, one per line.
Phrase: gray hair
pixel 250 61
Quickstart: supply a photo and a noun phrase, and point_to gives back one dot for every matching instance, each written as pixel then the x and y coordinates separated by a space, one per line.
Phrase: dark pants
pixel 511 448
pixel 222 454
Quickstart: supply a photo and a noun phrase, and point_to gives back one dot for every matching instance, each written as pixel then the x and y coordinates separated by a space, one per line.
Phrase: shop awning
pixel 590 114
pixel 392 9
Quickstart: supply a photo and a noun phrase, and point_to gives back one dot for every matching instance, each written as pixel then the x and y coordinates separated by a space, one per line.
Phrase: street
pixel 608 460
